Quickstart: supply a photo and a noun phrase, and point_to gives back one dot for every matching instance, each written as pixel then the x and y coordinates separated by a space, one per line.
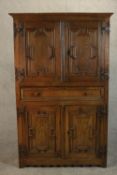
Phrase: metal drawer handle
pixel 37 94
pixel 85 93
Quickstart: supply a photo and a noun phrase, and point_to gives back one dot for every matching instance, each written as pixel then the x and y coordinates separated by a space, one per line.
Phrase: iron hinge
pixel 104 75
pixel 105 29
pixel 19 73
pixel 102 111
pixel 102 151
pixel 18 29
pixel 22 150
pixel 21 111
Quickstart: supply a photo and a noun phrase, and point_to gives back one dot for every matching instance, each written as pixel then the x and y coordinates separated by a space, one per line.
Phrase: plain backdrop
pixel 8 125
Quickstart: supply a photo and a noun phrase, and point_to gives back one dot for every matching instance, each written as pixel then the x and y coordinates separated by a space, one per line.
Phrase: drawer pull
pixel 85 93
pixel 37 94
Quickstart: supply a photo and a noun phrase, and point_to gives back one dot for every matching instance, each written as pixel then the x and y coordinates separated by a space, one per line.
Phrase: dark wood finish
pixel 82 131
pixel 41 125
pixel 52 93
pixel 61 68
pixel 80 65
pixel 38 37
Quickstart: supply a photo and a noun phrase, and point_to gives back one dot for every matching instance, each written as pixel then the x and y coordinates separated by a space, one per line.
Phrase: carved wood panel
pixel 42 130
pixel 102 129
pixel 80 130
pixel 82 51
pixel 42 51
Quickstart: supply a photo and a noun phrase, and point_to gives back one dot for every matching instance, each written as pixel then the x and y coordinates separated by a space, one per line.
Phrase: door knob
pixel 52 52
pixel 72 52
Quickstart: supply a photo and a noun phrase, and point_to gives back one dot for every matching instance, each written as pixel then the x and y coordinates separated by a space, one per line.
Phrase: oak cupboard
pixel 61 70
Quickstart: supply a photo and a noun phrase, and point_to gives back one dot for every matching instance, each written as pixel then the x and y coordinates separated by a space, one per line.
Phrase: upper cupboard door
pixel 42 53
pixel 82 51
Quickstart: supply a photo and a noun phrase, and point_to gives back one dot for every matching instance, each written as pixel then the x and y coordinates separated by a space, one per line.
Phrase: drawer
pixel 61 93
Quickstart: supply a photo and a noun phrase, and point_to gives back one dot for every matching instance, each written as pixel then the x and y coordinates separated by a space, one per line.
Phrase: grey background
pixel 8 125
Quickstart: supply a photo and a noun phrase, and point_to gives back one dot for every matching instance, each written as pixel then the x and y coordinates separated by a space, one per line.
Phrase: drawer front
pixel 62 93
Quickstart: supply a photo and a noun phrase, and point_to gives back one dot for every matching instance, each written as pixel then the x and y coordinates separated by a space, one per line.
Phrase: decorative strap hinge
pixel 18 29
pixel 105 28
pixel 102 151
pixel 104 75
pixel 21 111
pixel 19 73
pixel 102 111
pixel 22 150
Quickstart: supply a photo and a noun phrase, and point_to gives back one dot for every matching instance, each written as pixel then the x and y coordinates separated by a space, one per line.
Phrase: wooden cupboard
pixel 61 70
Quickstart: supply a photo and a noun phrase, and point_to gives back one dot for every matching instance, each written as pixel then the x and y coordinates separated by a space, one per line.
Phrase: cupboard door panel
pixel 42 126
pixel 82 54
pixel 42 51
pixel 81 131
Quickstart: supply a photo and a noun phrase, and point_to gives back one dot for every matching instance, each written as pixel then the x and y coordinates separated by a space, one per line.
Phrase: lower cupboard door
pixel 41 131
pixel 81 129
